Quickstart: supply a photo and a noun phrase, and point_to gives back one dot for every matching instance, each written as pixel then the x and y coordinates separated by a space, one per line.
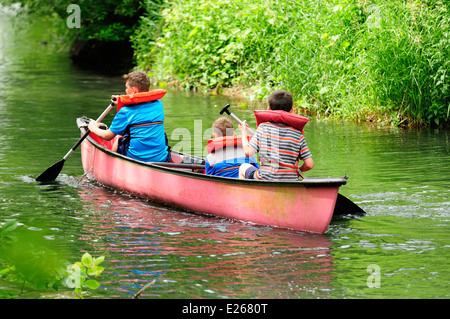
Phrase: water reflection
pixel 193 256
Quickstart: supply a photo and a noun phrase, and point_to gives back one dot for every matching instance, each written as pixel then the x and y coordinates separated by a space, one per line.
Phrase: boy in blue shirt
pixel 145 122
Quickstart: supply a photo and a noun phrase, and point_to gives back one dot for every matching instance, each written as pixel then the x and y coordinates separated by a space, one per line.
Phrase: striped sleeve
pixel 255 141
pixel 304 149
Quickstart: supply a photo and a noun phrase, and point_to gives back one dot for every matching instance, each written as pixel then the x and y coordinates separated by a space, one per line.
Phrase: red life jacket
pixel 279 116
pixel 223 141
pixel 140 97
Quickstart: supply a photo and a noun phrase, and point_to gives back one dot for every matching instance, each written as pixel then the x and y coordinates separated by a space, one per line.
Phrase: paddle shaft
pixel 234 117
pixel 87 132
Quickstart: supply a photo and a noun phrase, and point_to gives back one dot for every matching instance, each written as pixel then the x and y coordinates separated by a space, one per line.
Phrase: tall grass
pixel 409 59
pixel 388 60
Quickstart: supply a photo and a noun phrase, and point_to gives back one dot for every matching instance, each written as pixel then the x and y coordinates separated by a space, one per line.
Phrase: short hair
pixel 138 79
pixel 280 100
pixel 223 126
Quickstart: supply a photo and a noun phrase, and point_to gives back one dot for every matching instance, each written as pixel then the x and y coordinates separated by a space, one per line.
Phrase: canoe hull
pixel 294 205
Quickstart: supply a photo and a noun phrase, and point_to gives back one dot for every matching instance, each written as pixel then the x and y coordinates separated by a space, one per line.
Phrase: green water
pixel 399 177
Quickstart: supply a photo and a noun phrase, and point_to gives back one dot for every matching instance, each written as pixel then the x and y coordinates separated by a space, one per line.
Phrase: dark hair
pixel 280 100
pixel 138 79
pixel 222 126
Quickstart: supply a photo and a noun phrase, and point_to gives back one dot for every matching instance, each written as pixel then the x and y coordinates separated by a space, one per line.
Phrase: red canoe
pixel 306 205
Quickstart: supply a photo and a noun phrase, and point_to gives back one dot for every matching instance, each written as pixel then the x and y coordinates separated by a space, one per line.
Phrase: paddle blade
pixel 52 172
pixel 345 206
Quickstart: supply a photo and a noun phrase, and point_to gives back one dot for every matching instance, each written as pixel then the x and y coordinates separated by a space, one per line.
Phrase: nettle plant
pixel 80 273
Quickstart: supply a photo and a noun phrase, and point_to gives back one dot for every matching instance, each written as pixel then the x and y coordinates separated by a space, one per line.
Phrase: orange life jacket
pixel 141 97
pixel 279 116
pixel 223 141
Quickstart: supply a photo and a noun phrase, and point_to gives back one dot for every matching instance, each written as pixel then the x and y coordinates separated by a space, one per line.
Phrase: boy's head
pixel 281 100
pixel 223 126
pixel 138 80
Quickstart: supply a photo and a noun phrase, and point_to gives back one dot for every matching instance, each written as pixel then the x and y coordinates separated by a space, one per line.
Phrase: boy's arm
pixel 308 164
pixel 104 134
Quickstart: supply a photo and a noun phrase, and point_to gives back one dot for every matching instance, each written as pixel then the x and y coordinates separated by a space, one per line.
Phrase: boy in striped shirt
pixel 280 146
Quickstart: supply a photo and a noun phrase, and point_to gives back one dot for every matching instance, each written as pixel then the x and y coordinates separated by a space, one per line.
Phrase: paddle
pixel 53 171
pixel 344 206
pixel 234 117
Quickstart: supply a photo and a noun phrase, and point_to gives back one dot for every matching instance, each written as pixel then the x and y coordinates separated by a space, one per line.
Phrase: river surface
pixel 400 177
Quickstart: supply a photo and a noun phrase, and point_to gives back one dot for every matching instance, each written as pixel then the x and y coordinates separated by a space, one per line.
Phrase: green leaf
pixel 6 270
pixel 87 260
pixel 193 32
pixel 99 260
pixel 95 271
pixel 91 284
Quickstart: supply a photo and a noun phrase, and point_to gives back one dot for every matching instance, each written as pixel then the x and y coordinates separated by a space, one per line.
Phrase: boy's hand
pixel 243 127
pixel 93 125
pixel 114 99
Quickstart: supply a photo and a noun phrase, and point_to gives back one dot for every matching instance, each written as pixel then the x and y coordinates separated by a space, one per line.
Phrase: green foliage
pixel 28 259
pixel 408 58
pixel 79 272
pixel 202 48
pixel 149 28
pixel 113 20
pixel 107 20
pixel 343 58
pixel 387 60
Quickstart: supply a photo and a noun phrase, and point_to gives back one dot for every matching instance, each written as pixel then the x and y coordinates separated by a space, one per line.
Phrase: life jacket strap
pixel 278 164
pixel 145 124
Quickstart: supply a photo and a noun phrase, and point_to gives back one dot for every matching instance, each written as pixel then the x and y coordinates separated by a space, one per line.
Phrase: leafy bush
pixel 149 28
pixel 408 58
pixel 388 60
pixel 79 272
pixel 346 58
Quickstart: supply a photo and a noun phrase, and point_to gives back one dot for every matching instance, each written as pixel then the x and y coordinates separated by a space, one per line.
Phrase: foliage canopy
pixel 345 58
